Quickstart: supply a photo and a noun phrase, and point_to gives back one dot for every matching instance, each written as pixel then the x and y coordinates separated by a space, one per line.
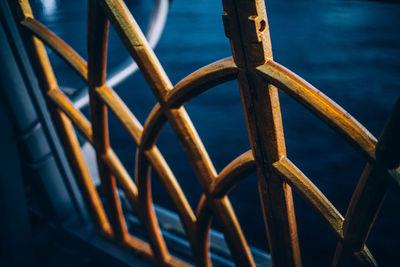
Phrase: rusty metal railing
pixel 259 77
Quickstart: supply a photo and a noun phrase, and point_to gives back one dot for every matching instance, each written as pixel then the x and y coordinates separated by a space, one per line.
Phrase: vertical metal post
pixel 97 57
pixel 246 26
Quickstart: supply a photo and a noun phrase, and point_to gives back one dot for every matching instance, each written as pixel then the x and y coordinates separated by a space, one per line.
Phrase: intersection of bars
pixel 170 108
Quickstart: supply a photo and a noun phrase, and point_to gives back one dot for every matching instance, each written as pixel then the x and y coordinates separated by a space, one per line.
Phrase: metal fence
pixel 259 78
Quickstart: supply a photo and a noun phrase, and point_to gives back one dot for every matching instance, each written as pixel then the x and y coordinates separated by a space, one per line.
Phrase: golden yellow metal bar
pixel 246 26
pixel 49 85
pixel 152 128
pixel 122 176
pixel 138 47
pixel 311 194
pixel 201 80
pixel 320 105
pixel 232 174
pixel 73 114
pixel 85 182
pixel 203 225
pixel 58 45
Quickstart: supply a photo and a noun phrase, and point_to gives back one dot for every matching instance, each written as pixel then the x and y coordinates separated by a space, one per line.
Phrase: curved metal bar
pixel 201 80
pixel 145 211
pixel 57 45
pixel 203 225
pixel 144 160
pixel 322 106
pixel 311 194
pixel 192 85
pixel 170 183
pixel 232 174
pixel 152 128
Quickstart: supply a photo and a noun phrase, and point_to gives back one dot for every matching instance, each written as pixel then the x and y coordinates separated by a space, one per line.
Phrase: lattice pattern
pixel 246 27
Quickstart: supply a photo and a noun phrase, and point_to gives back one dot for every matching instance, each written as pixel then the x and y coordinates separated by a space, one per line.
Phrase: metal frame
pixel 259 78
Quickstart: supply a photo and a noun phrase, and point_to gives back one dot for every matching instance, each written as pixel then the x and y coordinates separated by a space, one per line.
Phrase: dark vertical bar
pixel 97 57
pixel 370 192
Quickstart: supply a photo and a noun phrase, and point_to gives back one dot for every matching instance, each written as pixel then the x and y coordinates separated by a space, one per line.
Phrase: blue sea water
pixel 350 50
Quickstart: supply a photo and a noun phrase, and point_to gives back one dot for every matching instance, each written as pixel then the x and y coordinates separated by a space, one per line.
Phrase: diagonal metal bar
pixel 323 107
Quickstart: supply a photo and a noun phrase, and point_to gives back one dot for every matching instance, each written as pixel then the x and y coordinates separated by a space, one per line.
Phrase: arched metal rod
pixel 167 177
pixel 203 225
pixel 311 194
pixel 234 237
pixel 322 106
pixel 157 22
pixel 191 86
pixel 152 128
pixel 201 80
pixel 69 55
pixel 232 174
pixel 145 159
pixel 145 211
pixel 185 90
pixel 238 169
pixel 154 158
pixel 113 101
